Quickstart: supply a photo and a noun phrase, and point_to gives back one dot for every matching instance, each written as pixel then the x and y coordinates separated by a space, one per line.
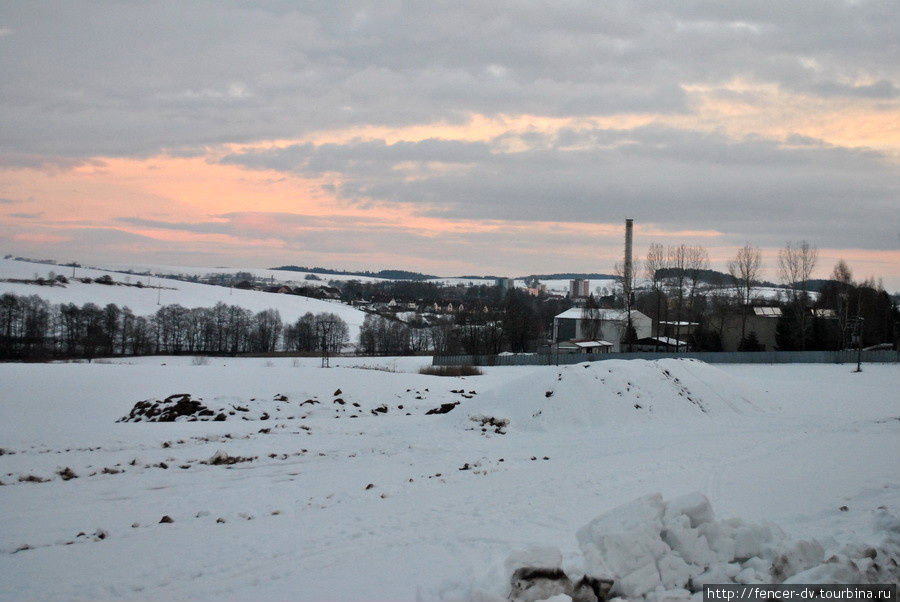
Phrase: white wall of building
pixel 612 325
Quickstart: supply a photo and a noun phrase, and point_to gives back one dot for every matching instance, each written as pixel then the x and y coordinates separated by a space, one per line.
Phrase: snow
pixel 617 315
pixel 561 286
pixel 667 340
pixel 146 300
pixel 295 278
pixel 723 473
pixel 590 344
pixel 654 549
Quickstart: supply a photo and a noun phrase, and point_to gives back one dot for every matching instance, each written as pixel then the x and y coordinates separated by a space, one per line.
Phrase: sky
pixel 452 138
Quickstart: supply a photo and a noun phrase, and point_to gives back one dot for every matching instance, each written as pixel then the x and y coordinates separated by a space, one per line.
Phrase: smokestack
pixel 629 228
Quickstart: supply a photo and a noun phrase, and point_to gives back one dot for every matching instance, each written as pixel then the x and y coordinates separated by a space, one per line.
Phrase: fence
pixel 713 357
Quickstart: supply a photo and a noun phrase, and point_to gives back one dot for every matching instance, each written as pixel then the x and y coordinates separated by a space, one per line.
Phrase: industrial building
pixel 606 325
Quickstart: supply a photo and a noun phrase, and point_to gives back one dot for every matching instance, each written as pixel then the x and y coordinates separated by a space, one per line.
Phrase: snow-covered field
pixel 360 494
pixel 146 300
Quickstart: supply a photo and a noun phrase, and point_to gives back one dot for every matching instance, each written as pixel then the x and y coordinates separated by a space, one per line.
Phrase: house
pixel 763 321
pixel 587 346
pixel 581 324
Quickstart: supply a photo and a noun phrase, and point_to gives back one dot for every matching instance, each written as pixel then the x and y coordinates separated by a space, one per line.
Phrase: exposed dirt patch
pixel 170 409
pixel 490 423
pixel 66 474
pixel 443 409
pixel 221 458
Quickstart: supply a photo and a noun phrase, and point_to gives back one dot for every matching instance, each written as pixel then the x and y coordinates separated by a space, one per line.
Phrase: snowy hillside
pixel 371 481
pixel 276 276
pixel 146 300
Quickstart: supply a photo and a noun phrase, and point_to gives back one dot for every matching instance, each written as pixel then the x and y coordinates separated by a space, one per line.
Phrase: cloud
pixel 195 227
pixel 45 162
pixel 135 78
pixel 882 89
pixel 754 188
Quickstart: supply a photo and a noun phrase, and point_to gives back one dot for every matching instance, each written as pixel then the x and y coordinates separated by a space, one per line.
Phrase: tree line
pixel 33 328
pixel 843 314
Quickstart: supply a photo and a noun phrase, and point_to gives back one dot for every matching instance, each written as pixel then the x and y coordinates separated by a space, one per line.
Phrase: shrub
pixel 751 343
pixel 465 370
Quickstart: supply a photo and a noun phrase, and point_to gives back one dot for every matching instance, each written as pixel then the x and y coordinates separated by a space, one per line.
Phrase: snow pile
pixel 651 546
pixel 652 549
pixel 857 563
pixel 612 393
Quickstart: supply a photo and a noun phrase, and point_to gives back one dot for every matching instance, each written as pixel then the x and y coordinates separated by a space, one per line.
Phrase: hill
pixel 570 276
pixel 386 274
pixel 154 292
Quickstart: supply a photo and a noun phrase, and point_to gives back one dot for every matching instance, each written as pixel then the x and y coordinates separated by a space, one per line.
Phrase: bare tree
pixel 745 270
pixel 591 319
pixel 795 266
pixel 678 261
pixel 842 273
pixel 627 283
pixel 697 262
pixel 653 269
pixel 844 277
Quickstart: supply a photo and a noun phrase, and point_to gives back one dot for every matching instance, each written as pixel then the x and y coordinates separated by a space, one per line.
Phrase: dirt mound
pixel 171 409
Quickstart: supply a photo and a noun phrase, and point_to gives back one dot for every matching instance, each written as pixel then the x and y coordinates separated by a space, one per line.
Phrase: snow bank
pixel 612 393
pixel 655 549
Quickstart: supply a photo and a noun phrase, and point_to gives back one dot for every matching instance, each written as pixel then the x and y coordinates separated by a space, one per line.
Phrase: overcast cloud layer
pixel 762 121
